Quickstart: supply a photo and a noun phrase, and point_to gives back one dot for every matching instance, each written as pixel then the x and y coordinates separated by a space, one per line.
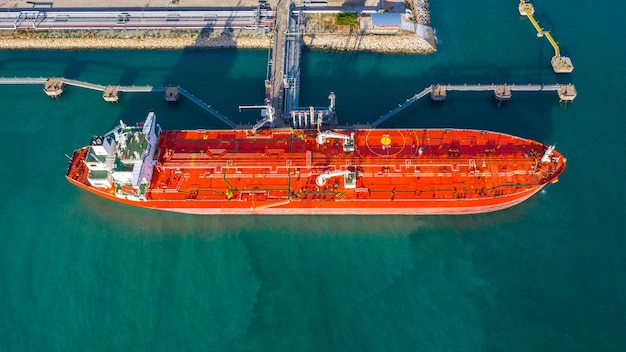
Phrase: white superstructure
pixel 124 157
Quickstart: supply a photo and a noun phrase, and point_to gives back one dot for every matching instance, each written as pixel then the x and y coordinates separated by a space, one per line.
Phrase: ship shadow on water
pixel 118 218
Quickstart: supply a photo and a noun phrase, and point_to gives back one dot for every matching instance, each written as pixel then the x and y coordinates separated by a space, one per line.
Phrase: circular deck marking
pixel 385 143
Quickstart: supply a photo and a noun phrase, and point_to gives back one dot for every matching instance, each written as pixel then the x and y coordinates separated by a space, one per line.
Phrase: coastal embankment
pixel 136 39
pixel 383 43
pixel 171 39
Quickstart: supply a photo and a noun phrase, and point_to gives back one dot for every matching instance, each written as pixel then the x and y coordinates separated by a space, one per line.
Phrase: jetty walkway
pixel 278 57
pixel 207 107
pixel 76 83
pixel 502 92
pixel 282 83
pixel 54 87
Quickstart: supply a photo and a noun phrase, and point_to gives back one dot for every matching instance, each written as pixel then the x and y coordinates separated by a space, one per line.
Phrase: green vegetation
pixel 346 18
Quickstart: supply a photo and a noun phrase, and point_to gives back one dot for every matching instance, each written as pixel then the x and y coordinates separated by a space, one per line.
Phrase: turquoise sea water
pixel 78 273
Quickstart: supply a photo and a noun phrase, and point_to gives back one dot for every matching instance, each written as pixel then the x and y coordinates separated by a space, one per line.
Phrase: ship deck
pixel 387 164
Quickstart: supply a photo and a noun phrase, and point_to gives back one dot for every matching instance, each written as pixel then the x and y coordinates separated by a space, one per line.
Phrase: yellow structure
pixel 560 64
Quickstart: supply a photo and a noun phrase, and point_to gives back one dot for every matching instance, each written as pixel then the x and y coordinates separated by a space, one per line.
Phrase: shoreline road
pixel 112 5
pixel 191 19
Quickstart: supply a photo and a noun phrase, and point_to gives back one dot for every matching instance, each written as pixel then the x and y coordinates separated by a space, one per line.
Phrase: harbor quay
pixel 373 25
pixel 282 27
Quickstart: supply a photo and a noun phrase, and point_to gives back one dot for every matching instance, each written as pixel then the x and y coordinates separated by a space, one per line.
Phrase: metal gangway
pixel 403 106
pixel 22 80
pixel 207 107
pixel 77 83
pixel 99 87
pixel 502 92
pixel 126 89
pixel 492 87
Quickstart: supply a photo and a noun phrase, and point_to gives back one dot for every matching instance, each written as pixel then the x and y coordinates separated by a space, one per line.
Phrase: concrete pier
pixel 282 83
pixel 171 94
pixel 438 93
pixel 291 69
pixel 111 94
pixel 502 92
pixel 276 79
pixel 54 87
pixel 567 93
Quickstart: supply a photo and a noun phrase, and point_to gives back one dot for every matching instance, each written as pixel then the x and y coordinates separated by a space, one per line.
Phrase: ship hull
pixel 287 207
pixel 309 172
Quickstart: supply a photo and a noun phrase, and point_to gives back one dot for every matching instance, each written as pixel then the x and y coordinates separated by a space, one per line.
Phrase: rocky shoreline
pixel 382 43
pixel 141 40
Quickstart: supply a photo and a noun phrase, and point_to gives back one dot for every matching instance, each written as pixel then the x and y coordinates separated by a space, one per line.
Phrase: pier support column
pixel 567 93
pixel 438 93
pixel 502 92
pixel 54 87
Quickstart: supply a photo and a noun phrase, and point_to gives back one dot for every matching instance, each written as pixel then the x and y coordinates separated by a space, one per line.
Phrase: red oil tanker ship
pixel 310 171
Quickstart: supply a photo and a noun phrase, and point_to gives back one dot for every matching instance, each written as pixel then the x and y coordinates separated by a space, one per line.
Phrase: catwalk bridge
pixel 76 83
pixel 502 92
pixel 54 87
